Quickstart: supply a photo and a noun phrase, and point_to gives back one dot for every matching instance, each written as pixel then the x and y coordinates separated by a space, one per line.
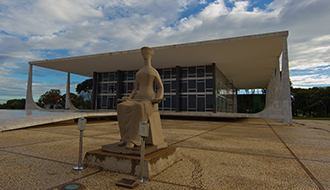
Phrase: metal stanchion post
pixel 81 127
pixel 144 132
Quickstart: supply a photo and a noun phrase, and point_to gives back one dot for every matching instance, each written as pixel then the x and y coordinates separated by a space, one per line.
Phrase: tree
pixel 312 102
pixel 84 90
pixel 51 97
pixel 13 104
pixel 86 87
pixel 77 100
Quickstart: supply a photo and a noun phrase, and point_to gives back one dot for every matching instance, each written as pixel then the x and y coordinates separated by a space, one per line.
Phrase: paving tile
pixel 219 170
pixel 23 172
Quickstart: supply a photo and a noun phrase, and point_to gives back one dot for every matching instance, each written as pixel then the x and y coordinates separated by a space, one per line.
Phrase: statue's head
pixel 147 52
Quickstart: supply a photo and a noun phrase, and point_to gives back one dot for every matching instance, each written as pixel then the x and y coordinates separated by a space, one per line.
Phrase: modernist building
pixel 200 78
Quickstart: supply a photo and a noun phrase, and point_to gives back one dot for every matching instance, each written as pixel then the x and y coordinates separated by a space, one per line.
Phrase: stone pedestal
pixel 154 163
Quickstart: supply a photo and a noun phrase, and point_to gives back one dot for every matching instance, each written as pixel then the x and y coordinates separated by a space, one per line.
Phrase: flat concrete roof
pixel 247 61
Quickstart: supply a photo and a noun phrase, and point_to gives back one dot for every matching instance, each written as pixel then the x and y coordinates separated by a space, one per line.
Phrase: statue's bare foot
pixel 121 143
pixel 129 145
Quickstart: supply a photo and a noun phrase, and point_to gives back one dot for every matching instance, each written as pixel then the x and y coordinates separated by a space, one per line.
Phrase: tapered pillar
pixel 278 106
pixel 68 103
pixel 29 102
pixel 286 87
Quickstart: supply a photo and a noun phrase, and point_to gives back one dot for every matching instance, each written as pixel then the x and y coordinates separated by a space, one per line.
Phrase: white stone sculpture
pixel 142 106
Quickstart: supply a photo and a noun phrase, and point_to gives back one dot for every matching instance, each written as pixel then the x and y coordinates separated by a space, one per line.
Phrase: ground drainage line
pixel 309 173
pixel 199 134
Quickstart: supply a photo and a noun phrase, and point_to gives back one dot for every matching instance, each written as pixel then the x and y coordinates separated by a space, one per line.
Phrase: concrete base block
pixel 154 163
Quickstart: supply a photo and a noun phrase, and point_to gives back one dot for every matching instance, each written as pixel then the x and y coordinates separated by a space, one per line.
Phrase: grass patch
pixel 312 118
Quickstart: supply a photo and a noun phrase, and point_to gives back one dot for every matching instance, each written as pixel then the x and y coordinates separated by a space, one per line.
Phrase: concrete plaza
pixel 229 154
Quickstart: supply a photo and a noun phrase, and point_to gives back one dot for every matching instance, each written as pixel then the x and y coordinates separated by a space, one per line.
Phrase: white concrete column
pixel 68 103
pixel 29 102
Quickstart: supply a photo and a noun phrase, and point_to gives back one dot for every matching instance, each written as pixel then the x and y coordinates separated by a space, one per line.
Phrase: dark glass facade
pixel 196 92
pixel 193 89
pixel 226 95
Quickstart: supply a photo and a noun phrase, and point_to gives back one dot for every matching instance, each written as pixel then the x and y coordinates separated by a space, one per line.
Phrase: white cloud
pixel 240 6
pixel 92 26
pixel 216 9
pixel 310 80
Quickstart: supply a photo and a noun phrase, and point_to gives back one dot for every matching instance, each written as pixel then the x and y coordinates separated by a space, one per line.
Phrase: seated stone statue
pixel 141 105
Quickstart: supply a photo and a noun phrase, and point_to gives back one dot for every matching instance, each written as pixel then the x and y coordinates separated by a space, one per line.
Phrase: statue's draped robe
pixel 130 114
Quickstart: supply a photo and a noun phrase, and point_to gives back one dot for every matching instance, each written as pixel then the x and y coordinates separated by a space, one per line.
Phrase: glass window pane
pixel 209 83
pixel 173 102
pixel 129 87
pixel 200 87
pixel 192 101
pixel 209 101
pixel 167 88
pixel 104 100
pixel 105 88
pixel 173 84
pixel 130 75
pixel 201 104
pixel 192 70
pixel 100 77
pixel 183 73
pixel 110 102
pixel 167 74
pixel 112 88
pixel 184 103
pixel 184 87
pixel 111 77
pixel 209 69
pixel 99 89
pixel 200 72
pixel 124 88
pixel 173 72
pixel 99 101
pixel 167 102
pixel 106 77
pixel 192 84
pixel 124 76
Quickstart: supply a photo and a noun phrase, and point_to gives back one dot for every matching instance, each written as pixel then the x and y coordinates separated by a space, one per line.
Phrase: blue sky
pixel 46 29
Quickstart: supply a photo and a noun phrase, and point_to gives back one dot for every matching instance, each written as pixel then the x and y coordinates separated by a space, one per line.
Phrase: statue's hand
pixel 123 99
pixel 157 100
